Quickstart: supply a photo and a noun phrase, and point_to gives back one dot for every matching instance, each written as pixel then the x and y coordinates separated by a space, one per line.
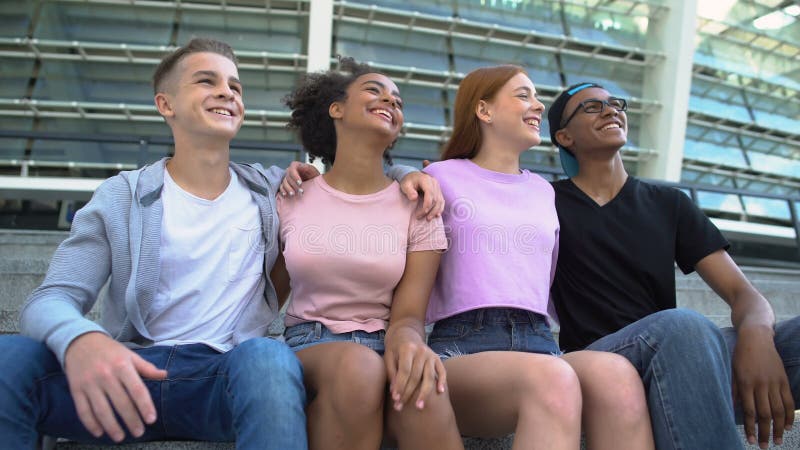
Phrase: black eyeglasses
pixel 595 106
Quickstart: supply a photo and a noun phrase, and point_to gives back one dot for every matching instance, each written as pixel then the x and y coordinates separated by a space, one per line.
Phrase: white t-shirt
pixel 211 265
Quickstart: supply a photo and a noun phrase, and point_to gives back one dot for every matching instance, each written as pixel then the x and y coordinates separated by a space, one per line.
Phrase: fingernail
pixel 779 441
pixel 441 389
pixel 301 190
pixel 420 404
pixel 150 418
pixel 398 406
pixel 299 182
pixel 291 193
pixel 283 194
pixel 751 440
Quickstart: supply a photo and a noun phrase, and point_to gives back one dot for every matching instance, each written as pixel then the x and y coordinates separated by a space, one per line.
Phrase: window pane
pixel 706 151
pixel 719 202
pixel 775 164
pixel 766 207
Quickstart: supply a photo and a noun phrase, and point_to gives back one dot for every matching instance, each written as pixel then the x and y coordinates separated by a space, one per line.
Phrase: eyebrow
pixel 395 93
pixel 212 74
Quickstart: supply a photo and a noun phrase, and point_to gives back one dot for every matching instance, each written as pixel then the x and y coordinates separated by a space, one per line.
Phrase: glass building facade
pixel 713 85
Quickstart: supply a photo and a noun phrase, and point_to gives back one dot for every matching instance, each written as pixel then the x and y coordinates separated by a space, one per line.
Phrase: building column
pixel 320 41
pixel 669 83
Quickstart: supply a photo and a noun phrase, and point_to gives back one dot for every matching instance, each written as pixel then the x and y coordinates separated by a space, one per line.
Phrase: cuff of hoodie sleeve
pixel 61 339
pixel 397 172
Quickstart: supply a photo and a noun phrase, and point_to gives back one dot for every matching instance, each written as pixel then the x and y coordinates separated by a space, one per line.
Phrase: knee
pixel 267 366
pixel 358 381
pixel 554 387
pixel 617 389
pixel 437 413
pixel 29 358
pixel 689 329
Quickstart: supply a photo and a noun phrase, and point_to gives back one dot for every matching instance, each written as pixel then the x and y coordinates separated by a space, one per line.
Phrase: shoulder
pixel 444 168
pixel 658 193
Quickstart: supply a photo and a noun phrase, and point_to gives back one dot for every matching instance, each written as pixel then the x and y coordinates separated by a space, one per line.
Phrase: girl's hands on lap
pixel 414 370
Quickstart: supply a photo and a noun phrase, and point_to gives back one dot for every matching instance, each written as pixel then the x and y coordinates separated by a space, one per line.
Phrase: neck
pixel 601 179
pixel 358 168
pixel 497 155
pixel 200 168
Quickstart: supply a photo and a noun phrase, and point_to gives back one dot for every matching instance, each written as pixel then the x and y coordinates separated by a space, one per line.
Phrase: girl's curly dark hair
pixel 310 103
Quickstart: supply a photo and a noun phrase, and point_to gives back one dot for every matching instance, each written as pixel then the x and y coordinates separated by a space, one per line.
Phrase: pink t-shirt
pixel 503 235
pixel 346 253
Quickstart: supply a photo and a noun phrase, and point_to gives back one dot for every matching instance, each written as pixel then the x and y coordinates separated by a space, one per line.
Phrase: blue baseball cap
pixel 554 117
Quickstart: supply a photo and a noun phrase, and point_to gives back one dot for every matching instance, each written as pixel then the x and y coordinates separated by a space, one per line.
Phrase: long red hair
pixel 480 84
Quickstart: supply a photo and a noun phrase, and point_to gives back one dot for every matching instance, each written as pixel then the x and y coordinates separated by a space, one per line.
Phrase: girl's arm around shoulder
pixel 410 363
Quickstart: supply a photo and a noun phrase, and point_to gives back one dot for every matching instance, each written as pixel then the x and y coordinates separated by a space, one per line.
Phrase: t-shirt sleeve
pixel 697 236
pixel 426 235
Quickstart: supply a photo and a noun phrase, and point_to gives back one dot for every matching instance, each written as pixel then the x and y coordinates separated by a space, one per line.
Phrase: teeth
pixel 532 122
pixel 610 126
pixel 223 112
pixel 383 113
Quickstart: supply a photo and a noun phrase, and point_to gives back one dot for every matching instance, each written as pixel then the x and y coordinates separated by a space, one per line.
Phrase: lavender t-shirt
pixel 502 231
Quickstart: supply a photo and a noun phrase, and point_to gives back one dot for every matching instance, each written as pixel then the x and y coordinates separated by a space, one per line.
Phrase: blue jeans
pixel 253 395
pixel 304 335
pixel 685 364
pixel 492 329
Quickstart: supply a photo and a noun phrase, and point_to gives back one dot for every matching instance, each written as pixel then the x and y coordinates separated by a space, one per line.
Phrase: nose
pixel 608 110
pixel 537 105
pixel 224 91
pixel 389 98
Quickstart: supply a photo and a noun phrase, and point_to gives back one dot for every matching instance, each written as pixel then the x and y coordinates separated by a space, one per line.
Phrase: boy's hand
pixel 760 383
pixel 100 369
pixel 296 173
pixel 432 200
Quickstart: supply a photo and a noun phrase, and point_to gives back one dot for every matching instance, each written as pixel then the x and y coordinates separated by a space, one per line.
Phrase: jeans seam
pixel 162 386
pixel 665 406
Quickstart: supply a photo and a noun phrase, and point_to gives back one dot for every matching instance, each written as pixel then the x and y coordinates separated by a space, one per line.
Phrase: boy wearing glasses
pixel 614 290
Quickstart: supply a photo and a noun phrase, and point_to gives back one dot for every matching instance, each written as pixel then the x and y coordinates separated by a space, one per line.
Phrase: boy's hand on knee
pixel 761 385
pixel 100 369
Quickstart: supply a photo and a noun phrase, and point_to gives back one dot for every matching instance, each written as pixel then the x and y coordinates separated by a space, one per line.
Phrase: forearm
pixel 408 328
pixel 750 310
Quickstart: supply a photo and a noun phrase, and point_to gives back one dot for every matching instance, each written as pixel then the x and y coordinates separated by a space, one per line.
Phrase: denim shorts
pixel 492 329
pixel 304 335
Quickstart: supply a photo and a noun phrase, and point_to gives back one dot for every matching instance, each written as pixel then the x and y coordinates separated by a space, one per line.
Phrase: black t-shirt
pixel 616 261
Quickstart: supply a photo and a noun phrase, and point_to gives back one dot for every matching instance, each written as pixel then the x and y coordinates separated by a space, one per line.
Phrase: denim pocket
pixel 449 330
pixel 298 335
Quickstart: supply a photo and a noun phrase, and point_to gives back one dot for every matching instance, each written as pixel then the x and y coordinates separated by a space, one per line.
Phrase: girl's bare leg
pixel 615 414
pixel 347 382
pixel 535 396
pixel 434 426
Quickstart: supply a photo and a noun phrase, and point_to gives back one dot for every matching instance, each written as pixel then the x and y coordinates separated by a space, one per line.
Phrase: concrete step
pixel 791 441
pixel 469 444
pixel 780 286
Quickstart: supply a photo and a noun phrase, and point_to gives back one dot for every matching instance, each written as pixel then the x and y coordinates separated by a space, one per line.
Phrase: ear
pixel 483 111
pixel 335 110
pixel 164 105
pixel 563 138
